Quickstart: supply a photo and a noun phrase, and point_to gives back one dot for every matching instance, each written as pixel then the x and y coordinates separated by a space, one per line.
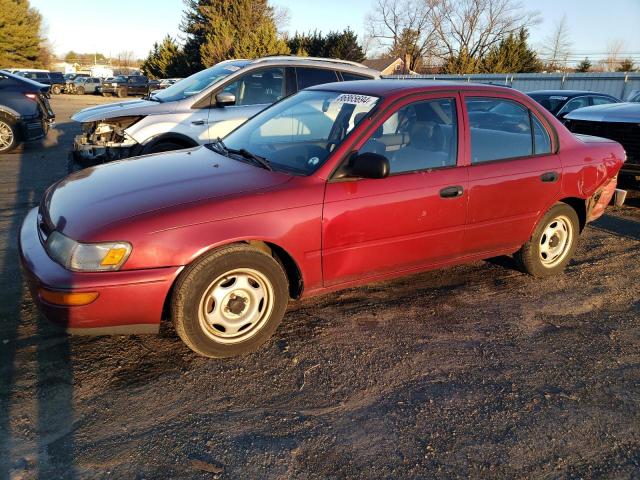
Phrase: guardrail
pixel 617 84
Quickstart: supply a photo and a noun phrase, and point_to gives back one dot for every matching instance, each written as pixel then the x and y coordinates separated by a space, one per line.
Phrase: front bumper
pixel 128 301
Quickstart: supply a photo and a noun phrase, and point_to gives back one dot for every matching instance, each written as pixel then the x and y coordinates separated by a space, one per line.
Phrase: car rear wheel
pixel 121 92
pixel 230 301
pixel 56 90
pixel 552 244
pixel 8 135
pixel 80 91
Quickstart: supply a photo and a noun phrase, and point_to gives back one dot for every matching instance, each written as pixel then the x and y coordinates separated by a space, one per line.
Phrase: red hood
pixel 93 198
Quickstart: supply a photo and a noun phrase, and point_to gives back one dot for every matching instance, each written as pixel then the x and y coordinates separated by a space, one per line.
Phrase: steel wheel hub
pixel 555 241
pixel 236 305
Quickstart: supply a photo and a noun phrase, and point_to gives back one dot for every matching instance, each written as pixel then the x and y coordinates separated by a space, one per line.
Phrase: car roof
pixel 335 63
pixel 381 88
pixel 567 93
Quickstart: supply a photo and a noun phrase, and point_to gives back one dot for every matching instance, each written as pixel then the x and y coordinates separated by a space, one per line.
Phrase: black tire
pixel 537 256
pixel 8 130
pixel 106 94
pixel 56 90
pixel 80 91
pixel 163 147
pixel 191 295
pixel 121 92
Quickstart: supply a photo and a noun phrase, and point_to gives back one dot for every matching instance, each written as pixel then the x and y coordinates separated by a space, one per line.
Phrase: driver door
pixel 254 92
pixel 413 218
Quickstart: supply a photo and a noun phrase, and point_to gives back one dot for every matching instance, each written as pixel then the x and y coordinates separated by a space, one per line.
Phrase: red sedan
pixel 339 185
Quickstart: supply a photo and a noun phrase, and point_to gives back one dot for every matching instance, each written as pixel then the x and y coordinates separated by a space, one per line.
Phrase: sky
pixel 134 25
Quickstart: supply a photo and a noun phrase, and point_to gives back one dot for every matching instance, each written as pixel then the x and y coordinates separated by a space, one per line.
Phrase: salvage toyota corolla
pixel 336 186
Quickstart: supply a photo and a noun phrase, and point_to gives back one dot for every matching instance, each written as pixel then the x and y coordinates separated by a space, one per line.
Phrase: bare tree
pixel 282 18
pixel 402 28
pixel 468 29
pixel 126 60
pixel 614 49
pixel 557 46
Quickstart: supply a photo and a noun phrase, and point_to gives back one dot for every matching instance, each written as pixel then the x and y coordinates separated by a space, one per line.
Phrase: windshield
pixel 198 81
pixel 553 103
pixel 298 133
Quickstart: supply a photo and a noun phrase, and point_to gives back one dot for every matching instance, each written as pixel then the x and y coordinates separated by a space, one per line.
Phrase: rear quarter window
pixel 347 77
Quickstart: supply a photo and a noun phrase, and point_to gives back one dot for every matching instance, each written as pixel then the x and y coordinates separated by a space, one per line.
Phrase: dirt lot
pixel 477 371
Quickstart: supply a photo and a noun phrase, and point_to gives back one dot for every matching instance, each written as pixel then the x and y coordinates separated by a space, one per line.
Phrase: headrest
pixel 427 136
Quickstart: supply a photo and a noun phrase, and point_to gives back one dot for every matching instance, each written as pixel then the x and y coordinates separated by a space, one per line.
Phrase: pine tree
pixel 584 65
pixel 343 45
pixel 218 30
pixel 20 36
pixel 165 60
pixel 512 55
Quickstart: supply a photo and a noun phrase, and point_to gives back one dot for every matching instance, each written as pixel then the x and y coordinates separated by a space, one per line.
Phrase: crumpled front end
pixel 104 141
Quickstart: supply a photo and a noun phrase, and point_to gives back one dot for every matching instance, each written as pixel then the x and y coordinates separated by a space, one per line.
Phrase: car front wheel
pixel 552 244
pixel 230 301
pixel 8 135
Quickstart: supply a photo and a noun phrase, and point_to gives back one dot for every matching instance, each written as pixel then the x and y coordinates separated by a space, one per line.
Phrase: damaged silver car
pixel 201 108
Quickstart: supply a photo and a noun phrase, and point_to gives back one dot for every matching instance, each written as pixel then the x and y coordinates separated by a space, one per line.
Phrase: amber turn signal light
pixel 69 299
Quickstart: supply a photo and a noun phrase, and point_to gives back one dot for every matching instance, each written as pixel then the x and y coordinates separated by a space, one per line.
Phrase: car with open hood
pixel 336 186
pixel 199 109
pixel 619 122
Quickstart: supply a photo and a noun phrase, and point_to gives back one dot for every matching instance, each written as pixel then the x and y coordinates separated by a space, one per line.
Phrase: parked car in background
pixel 55 79
pixel 200 108
pixel 57 82
pixel 339 185
pixel 124 85
pixel 70 78
pixel 85 85
pixel 25 113
pixel 562 102
pixel 634 96
pixel 619 122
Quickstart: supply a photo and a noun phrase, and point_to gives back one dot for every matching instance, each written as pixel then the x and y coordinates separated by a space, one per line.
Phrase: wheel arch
pixel 580 206
pixel 175 137
pixel 282 256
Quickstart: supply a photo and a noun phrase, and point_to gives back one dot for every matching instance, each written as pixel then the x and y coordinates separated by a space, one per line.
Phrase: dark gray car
pixel 25 113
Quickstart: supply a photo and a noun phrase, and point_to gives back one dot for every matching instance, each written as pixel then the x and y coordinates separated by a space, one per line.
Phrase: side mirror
pixel 367 165
pixel 224 99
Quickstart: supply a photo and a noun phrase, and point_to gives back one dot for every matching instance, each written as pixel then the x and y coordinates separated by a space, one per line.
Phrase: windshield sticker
pixel 557 97
pixel 313 161
pixel 355 99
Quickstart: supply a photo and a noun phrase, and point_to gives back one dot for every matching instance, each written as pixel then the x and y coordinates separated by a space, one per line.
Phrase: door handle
pixel 198 122
pixel 549 177
pixel 451 192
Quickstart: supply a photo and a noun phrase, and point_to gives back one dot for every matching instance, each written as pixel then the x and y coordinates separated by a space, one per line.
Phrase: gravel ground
pixel 475 371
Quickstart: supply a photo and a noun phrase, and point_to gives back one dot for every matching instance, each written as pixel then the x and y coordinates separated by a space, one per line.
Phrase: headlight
pixel 87 257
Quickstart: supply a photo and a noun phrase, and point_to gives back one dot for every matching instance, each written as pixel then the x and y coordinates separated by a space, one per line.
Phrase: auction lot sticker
pixel 355 99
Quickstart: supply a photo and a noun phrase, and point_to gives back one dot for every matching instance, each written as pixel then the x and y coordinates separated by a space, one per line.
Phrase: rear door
pixel 416 215
pixel 514 174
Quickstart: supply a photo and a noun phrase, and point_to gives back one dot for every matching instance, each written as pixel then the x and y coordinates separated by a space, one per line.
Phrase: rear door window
pixel 597 100
pixel 499 129
pixel 308 77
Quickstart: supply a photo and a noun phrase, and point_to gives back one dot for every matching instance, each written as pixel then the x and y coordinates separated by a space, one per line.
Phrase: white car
pixel 201 108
